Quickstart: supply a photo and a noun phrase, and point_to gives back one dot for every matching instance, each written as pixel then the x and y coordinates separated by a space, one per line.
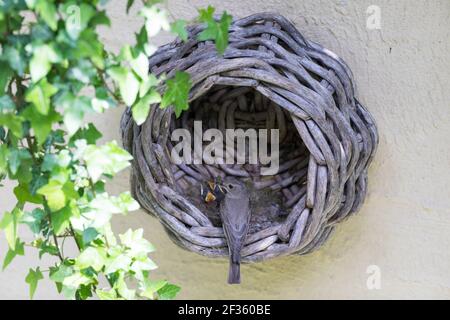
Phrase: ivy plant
pixel 55 70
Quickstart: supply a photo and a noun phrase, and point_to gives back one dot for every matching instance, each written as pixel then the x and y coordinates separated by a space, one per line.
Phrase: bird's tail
pixel 234 273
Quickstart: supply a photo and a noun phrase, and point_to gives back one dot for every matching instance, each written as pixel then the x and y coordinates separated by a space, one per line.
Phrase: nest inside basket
pixel 270 77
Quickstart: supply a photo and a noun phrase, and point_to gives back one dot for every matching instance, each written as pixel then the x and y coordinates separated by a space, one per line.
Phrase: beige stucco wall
pixel 403 77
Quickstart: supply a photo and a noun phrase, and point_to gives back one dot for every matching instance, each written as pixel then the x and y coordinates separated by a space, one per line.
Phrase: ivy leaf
pixel 168 292
pixel 41 124
pixel 74 111
pixel 141 109
pixel 205 15
pixel 129 5
pixel 12 122
pixel 179 28
pixel 89 235
pixel 39 95
pixel 88 46
pixel 4 152
pixel 5 75
pixel 128 83
pixel 46 247
pixel 34 220
pixel 123 289
pixel 23 194
pixel 89 133
pixel 107 159
pixel 149 287
pixel 60 219
pixel 120 262
pixel 6 104
pixel 54 194
pixel 106 294
pixel 58 274
pixel 91 257
pixel 217 31
pixel 155 20
pixel 137 245
pixel 47 10
pixel 11 254
pixel 15 59
pixel 57 194
pixel 32 279
pixel 41 62
pixel 142 43
pixel 16 157
pixel 9 224
pixel 140 65
pixel 177 92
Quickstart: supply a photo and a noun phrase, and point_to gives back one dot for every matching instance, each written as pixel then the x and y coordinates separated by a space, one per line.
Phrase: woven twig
pixel 269 77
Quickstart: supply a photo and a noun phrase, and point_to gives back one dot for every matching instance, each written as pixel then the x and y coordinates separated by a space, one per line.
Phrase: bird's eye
pixel 230 186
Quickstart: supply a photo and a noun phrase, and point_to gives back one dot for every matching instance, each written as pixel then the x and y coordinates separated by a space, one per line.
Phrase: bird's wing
pixel 235 219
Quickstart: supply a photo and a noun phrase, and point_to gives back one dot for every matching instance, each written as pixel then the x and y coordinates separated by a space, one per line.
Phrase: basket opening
pixel 276 191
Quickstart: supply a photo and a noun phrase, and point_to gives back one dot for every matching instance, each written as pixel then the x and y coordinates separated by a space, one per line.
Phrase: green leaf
pixel 168 292
pixel 142 43
pixel 15 59
pixel 6 104
pixel 5 75
pixel 4 153
pixel 177 92
pixel 89 133
pixel 46 247
pixel 206 15
pixel 61 219
pixel 155 20
pixel 136 244
pixel 32 279
pixel 91 257
pixel 23 194
pixel 179 28
pixel 34 220
pixel 217 31
pixel 15 158
pixel 41 124
pixel 57 193
pixel 106 294
pixel 76 279
pixel 141 109
pixel 88 46
pixel 47 10
pixel 120 262
pixel 123 289
pixel 129 5
pixel 128 83
pixel 11 254
pixel 84 292
pixel 58 274
pixel 140 65
pixel 89 235
pixel 107 159
pixel 41 62
pixel 74 111
pixel 9 224
pixel 12 122
pixel 39 95
pixel 69 292
pixel 149 288
pixel 54 194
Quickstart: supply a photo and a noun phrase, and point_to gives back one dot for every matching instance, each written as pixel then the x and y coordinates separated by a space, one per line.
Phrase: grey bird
pixel 235 214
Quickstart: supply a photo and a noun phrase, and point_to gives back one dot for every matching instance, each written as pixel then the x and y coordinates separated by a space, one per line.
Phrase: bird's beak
pixel 224 189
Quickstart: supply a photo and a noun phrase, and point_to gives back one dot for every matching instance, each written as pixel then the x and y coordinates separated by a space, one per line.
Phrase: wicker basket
pixel 269 77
